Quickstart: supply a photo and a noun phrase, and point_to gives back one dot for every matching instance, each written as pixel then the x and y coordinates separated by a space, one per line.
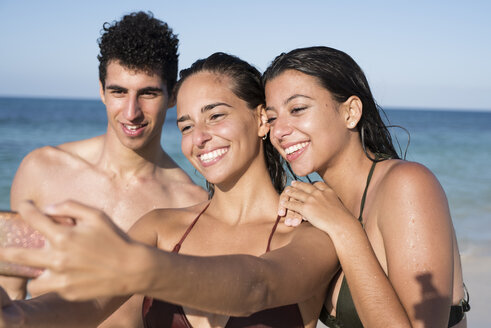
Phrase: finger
pixel 39 258
pixel 76 210
pixel 37 220
pixel 292 205
pixel 321 185
pixel 293 219
pixel 281 208
pixel 306 187
pixel 297 194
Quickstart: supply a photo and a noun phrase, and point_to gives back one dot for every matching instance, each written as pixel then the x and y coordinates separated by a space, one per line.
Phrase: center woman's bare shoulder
pixel 164 227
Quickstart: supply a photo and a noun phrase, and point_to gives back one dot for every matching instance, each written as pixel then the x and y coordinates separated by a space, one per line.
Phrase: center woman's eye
pixel 271 119
pixel 295 110
pixel 216 116
pixel 184 128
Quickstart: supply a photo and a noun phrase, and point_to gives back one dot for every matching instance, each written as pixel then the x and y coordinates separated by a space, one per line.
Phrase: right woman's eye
pixel 271 120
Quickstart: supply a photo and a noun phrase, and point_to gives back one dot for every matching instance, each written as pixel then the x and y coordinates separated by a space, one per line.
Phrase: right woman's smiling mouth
pixel 294 151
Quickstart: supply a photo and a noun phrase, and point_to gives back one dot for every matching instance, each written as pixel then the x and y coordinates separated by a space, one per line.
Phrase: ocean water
pixel 455 145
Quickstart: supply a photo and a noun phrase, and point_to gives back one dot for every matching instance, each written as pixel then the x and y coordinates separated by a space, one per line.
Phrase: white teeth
pixel 208 157
pixel 133 127
pixel 296 147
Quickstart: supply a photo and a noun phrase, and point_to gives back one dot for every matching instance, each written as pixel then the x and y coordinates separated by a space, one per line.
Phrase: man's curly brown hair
pixel 140 42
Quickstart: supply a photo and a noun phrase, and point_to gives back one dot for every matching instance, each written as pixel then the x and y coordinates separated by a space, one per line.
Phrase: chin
pixel 302 170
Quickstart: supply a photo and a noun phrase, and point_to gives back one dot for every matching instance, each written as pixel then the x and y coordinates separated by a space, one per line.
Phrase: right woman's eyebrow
pixel 297 95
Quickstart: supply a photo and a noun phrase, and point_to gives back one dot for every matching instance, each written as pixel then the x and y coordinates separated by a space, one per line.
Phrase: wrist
pixel 147 275
pixel 346 232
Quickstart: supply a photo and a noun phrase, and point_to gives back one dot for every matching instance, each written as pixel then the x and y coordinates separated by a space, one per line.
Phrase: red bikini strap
pixel 272 233
pixel 188 230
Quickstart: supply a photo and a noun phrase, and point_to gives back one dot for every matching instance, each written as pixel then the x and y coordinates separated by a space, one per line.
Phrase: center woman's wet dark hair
pixel 343 78
pixel 246 85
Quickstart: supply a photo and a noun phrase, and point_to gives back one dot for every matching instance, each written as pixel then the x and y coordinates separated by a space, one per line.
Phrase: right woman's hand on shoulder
pixel 316 203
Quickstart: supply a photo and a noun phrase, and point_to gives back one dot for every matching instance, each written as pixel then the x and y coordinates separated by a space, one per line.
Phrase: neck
pixel 347 175
pixel 250 197
pixel 125 163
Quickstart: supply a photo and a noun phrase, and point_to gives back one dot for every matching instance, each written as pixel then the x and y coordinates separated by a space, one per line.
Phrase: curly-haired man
pixel 125 171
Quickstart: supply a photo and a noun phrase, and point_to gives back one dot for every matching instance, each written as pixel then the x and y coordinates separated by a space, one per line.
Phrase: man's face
pixel 136 104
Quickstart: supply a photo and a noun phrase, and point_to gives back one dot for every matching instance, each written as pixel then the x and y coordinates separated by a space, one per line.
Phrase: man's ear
pixel 353 109
pixel 262 121
pixel 171 102
pixel 101 93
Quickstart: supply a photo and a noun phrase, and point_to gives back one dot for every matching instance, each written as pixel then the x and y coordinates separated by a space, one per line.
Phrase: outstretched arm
pixel 101 262
pixel 240 285
pixel 51 311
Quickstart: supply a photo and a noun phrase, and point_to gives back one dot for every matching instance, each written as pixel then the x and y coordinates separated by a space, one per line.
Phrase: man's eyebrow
pixel 115 87
pixel 211 106
pixel 150 89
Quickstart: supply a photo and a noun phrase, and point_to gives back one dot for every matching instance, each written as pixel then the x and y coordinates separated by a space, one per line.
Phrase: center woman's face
pixel 219 131
pixel 305 125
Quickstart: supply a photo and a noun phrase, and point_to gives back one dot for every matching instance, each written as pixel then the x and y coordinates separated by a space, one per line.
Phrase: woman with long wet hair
pixel 388 218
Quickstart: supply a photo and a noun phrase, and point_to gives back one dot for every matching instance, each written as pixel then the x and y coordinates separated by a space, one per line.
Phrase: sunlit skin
pixel 222 137
pixel 215 134
pixel 124 172
pixel 136 104
pixel 386 259
pixel 298 108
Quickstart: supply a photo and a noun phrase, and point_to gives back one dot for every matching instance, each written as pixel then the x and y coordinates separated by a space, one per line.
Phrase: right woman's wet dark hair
pixel 246 85
pixel 340 75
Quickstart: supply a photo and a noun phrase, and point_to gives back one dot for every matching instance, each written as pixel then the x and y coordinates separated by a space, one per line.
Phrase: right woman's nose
pixel 280 128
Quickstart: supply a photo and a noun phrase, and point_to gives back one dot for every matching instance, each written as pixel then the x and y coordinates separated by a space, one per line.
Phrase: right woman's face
pixel 305 125
pixel 219 132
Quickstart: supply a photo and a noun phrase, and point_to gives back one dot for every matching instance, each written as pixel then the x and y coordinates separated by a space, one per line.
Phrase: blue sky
pixel 415 53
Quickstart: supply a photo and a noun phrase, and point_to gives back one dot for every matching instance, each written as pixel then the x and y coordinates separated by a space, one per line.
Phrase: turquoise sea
pixel 455 145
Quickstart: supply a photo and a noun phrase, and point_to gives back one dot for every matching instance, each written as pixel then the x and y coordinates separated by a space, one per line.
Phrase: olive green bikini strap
pixel 366 189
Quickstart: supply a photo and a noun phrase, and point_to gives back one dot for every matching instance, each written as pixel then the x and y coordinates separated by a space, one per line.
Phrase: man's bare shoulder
pixel 42 170
pixel 62 155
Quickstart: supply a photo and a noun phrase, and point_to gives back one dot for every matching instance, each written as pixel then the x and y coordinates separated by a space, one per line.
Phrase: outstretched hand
pixel 316 203
pixel 81 261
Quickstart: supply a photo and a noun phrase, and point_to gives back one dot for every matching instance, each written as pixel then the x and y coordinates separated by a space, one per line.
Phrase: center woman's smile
pixel 211 157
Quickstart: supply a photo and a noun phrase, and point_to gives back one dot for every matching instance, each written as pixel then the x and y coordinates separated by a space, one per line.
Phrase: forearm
pixel 242 284
pixel 369 285
pixel 232 285
pixel 51 311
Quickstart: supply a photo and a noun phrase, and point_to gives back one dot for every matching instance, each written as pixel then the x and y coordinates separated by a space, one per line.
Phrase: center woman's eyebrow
pixel 297 95
pixel 203 110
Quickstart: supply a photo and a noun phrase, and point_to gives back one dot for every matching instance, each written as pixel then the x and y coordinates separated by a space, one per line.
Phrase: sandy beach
pixel 477 272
